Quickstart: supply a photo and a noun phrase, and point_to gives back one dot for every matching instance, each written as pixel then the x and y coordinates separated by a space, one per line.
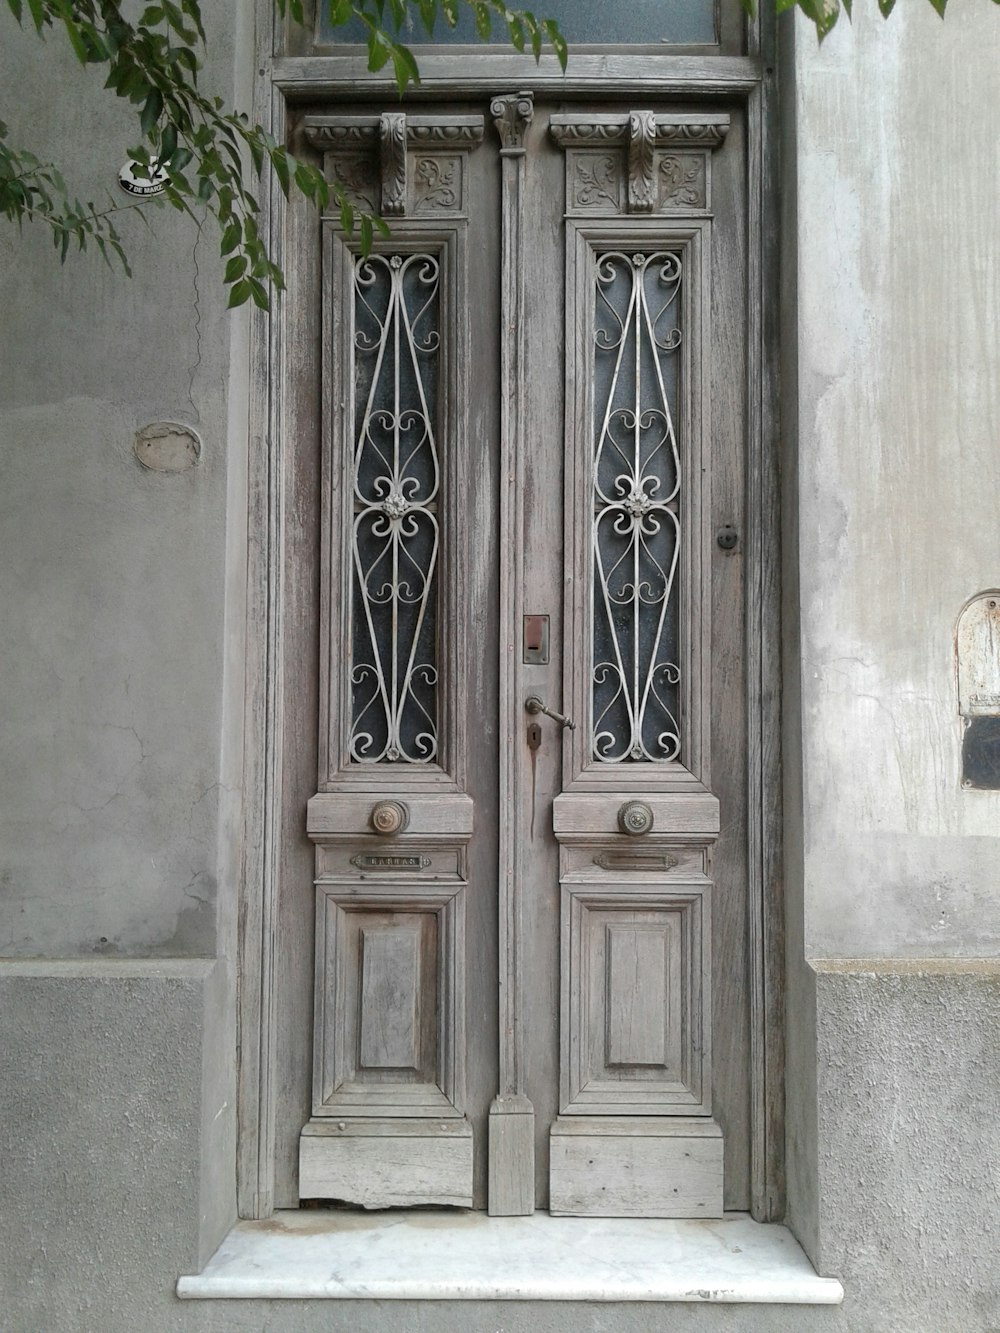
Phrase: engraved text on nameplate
pixel 390 862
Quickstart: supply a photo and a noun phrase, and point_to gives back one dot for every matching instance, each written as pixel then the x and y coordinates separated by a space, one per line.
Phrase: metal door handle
pixel 534 705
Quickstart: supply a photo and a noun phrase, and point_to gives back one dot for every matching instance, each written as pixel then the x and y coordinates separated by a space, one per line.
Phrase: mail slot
pixel 536 640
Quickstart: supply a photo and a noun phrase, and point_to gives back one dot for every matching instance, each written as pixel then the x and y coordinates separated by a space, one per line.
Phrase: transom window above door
pixel 582 22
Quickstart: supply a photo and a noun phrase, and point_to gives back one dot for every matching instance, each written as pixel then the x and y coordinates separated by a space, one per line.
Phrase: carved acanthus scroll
pixel 392 156
pixel 639 162
pixel 641 178
pixel 369 158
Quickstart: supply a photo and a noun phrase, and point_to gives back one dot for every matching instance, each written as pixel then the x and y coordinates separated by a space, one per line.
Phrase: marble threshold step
pixel 446 1255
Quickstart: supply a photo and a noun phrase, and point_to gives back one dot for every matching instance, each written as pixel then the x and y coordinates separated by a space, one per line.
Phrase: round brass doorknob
pixel 389 817
pixel 635 818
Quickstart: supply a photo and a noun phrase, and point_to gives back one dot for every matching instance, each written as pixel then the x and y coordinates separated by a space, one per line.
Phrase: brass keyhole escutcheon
pixel 389 817
pixel 635 818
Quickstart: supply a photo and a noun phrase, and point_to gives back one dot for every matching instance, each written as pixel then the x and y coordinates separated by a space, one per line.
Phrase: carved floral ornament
pixel 369 156
pixel 664 165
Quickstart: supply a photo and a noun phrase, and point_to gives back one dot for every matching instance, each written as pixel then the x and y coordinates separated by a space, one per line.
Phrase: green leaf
pixel 484 25
pixel 168 144
pixel 366 234
pixel 240 294
pixel 558 41
pixel 279 160
pixel 75 38
pixel 378 52
pixel 340 12
pixel 231 237
pixel 939 6
pixel 259 293
pixel 235 268
pixel 405 67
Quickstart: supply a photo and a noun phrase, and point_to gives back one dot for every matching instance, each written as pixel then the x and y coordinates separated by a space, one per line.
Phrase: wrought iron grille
pixel 394 668
pixel 637 500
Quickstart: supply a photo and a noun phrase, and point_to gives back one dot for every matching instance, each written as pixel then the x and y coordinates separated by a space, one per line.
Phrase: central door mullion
pixel 512 1119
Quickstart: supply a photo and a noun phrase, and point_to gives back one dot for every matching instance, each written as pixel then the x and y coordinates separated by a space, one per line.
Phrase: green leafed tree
pixel 212 156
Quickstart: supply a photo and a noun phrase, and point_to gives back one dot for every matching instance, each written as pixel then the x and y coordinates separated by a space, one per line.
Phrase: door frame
pixel 280 84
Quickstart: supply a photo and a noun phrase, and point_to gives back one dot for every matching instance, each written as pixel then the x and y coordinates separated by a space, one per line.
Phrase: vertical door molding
pixel 512 1119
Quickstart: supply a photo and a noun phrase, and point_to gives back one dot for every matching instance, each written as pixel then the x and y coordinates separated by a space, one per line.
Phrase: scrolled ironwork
pixel 637 497
pixel 396 529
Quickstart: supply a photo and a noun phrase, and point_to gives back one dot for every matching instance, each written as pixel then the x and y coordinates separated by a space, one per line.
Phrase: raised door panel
pixel 635 987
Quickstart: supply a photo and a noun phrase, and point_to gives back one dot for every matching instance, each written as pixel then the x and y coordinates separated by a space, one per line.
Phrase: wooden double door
pixel 528 839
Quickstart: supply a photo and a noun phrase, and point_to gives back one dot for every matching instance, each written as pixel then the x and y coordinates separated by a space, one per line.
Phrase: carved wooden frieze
pixel 396 164
pixel 640 162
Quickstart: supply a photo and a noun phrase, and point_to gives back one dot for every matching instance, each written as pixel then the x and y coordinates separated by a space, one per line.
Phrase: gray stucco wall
pixel 119 748
pixel 898 283
pixel 112 578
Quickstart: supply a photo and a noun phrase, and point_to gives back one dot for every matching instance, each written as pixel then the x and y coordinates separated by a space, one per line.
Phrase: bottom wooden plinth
pixel 619 1166
pixel 387 1163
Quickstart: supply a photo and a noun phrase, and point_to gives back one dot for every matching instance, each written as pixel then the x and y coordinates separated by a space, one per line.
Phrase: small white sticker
pixel 132 182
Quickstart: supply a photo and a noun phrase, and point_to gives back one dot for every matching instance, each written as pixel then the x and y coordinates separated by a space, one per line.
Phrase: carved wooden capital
pixel 512 116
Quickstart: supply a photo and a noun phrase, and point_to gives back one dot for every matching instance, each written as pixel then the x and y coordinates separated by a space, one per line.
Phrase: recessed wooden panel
pixel 636 1017
pixel 636 1002
pixel 389 1032
pixel 390 995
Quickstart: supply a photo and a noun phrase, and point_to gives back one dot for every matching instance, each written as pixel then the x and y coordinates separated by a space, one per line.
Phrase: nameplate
pixel 390 862
pixel 635 861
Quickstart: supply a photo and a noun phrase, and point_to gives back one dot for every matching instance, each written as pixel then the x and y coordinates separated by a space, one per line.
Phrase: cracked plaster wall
pixel 898 276
pixel 111 576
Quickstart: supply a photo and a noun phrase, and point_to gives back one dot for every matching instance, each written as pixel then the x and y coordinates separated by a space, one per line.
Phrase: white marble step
pixel 429 1255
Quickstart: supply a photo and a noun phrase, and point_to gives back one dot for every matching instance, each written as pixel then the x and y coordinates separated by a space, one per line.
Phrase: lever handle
pixel 534 705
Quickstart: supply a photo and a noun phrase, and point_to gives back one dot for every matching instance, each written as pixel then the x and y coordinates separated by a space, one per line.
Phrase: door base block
pixel 387 1163
pixel 512 1157
pixel 604 1166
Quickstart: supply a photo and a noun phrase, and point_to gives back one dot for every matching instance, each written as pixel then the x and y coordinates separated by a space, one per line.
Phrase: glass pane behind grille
pixel 583 22
pixel 394 668
pixel 637 496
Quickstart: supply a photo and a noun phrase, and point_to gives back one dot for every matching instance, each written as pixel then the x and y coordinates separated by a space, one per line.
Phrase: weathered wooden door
pixel 531 982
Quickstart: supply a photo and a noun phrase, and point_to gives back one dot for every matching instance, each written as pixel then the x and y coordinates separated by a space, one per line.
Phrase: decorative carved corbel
pixel 392 150
pixel 512 116
pixel 641 179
